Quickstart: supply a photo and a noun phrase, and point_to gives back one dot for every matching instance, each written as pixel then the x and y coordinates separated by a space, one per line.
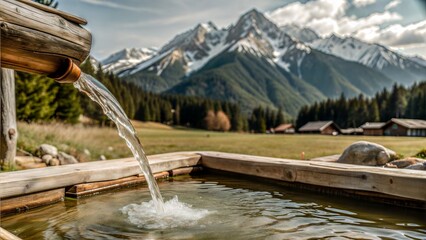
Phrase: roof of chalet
pixel 283 127
pixel 409 123
pixel 316 126
pixel 372 125
pixel 352 130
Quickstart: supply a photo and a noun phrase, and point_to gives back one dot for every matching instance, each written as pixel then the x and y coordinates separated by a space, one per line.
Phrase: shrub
pixel 421 154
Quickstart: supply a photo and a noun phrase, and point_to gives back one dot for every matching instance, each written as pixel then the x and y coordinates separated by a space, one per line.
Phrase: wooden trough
pixel 27 189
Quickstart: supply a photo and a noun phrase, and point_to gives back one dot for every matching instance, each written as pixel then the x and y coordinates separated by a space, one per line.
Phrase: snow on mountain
pixel 401 69
pixel 418 60
pixel 127 58
pixel 94 62
pixel 305 35
pixel 352 49
pixel 257 35
pixel 253 33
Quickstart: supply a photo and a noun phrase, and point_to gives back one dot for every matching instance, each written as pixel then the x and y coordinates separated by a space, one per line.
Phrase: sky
pixel 118 24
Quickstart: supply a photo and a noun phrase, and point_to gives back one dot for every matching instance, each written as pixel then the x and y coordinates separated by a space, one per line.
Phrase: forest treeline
pixel 42 99
pixel 399 102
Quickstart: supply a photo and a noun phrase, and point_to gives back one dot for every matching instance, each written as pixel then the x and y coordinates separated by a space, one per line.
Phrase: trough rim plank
pixel 392 182
pixel 42 179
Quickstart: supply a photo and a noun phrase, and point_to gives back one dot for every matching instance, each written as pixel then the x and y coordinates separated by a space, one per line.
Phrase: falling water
pixel 100 94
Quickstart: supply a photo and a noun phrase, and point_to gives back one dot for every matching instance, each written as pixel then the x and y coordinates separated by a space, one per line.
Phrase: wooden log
pixel 23 203
pixel 8 129
pixel 37 41
pixel 6 235
pixel 36 180
pixel 403 183
pixel 67 16
pixel 85 189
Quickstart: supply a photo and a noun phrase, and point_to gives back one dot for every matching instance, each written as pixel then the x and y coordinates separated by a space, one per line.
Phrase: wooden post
pixel 8 130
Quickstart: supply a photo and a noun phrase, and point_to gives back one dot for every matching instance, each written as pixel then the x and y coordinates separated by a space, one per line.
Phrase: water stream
pixel 100 94
pixel 155 214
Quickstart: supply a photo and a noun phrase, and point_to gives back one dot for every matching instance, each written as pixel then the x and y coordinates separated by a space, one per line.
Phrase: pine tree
pixel 68 104
pixel 35 95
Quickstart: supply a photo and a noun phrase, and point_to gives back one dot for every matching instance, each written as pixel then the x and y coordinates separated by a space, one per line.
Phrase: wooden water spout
pixel 43 40
pixel 35 39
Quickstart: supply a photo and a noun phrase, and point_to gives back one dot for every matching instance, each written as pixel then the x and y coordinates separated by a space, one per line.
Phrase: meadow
pixel 157 138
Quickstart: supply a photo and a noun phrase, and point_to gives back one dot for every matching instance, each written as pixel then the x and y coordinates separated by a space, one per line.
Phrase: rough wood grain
pixel 67 16
pixel 36 41
pixel 96 187
pixel 6 235
pixel 187 170
pixel 8 129
pixel 36 180
pixel 23 203
pixel 393 182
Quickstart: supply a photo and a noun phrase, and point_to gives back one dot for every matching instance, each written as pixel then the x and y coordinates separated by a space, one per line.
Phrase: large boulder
pixel 46 149
pixel 367 153
pixel 65 159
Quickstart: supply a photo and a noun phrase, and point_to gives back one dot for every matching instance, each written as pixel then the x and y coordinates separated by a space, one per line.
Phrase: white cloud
pixel 396 35
pixel 363 3
pixel 115 5
pixel 328 16
pixel 300 14
pixel 392 4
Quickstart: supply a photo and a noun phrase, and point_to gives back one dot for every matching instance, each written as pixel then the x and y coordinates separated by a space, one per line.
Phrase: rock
pixel 65 159
pixel 86 151
pixel 417 166
pixel 46 158
pixel 110 149
pixel 102 158
pixel 32 165
pixel 48 149
pixel 24 160
pixel 366 153
pixel 54 162
pixel 403 163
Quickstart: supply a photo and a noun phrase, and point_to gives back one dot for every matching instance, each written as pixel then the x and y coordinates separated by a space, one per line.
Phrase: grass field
pixel 157 138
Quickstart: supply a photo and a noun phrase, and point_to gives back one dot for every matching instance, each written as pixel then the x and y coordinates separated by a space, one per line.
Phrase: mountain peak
pixel 126 58
pixel 304 34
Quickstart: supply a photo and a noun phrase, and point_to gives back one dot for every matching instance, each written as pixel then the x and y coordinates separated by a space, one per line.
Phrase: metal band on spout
pixel 69 73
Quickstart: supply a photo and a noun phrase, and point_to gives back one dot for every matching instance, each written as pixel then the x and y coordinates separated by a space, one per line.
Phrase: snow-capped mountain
pixel 418 60
pixel 94 62
pixel 127 58
pixel 397 67
pixel 305 35
pixel 254 62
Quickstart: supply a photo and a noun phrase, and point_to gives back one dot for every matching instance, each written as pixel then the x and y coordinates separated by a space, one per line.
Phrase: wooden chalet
pixel 405 127
pixel 320 127
pixel 285 129
pixel 373 128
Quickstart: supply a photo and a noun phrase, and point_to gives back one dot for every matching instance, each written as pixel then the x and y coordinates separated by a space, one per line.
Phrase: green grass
pixel 158 138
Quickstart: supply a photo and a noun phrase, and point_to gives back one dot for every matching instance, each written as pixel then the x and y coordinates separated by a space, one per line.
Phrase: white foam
pixel 176 214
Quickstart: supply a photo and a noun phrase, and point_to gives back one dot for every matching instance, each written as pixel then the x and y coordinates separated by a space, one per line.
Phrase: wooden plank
pixel 6 235
pixel 36 180
pixel 23 203
pixel 184 171
pixel 393 182
pixel 95 187
pixel 8 129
